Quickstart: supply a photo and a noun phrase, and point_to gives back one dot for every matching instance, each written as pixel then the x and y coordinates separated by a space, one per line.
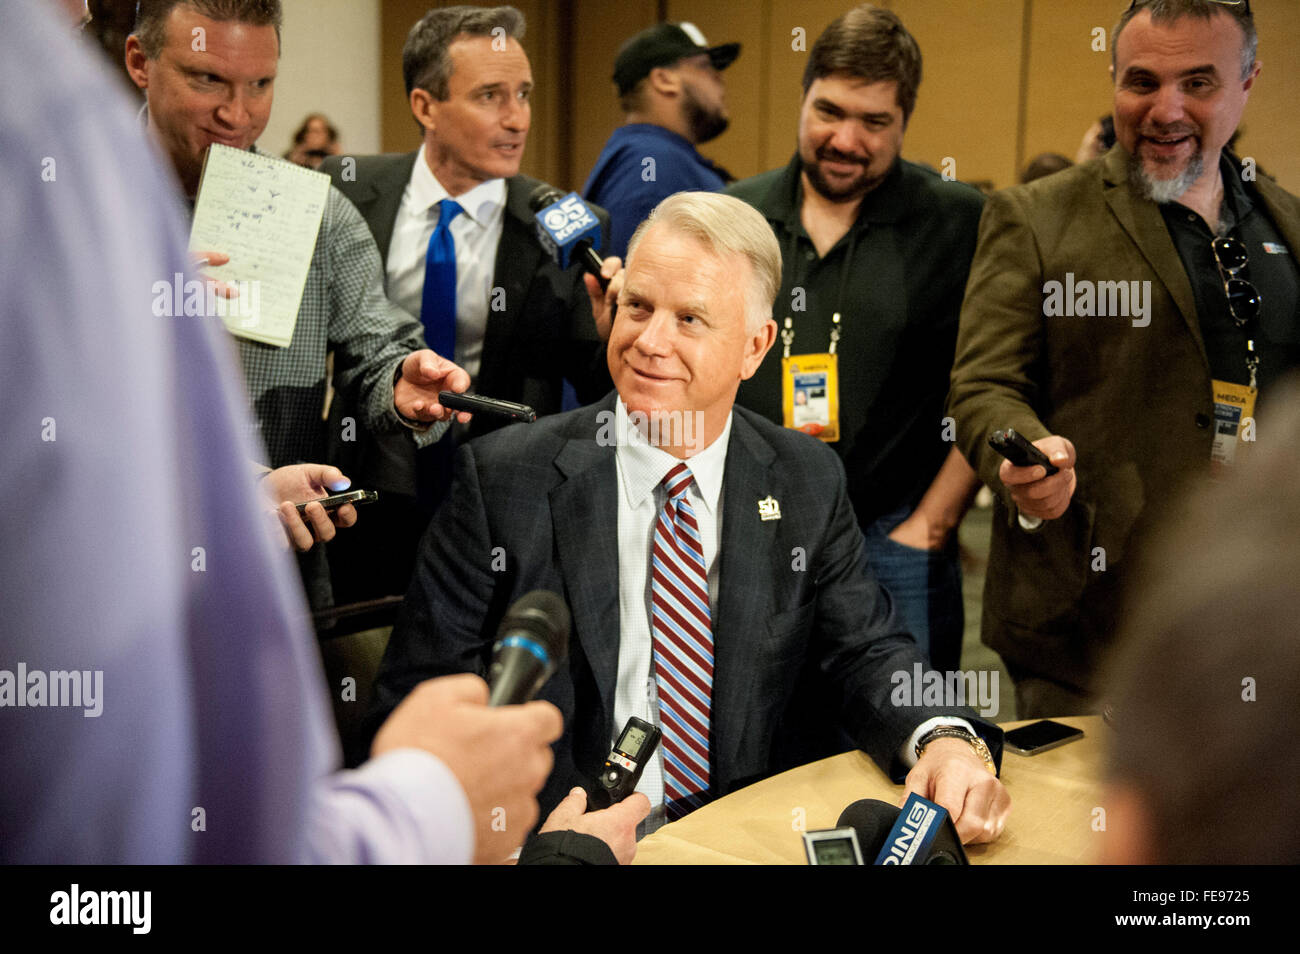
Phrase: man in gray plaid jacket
pixel 210 80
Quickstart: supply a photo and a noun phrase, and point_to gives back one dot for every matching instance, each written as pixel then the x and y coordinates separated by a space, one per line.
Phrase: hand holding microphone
pixel 570 231
pixel 501 757
pixel 496 742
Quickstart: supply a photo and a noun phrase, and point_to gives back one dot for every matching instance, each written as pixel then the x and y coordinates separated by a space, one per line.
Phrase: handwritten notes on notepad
pixel 264 213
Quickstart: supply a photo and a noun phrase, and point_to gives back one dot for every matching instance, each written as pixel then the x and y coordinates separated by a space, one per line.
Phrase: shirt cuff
pixel 1029 524
pixel 403 807
pixel 907 754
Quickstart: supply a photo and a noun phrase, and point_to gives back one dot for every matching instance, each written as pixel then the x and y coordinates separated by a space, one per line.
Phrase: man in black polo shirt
pixel 1126 316
pixel 876 252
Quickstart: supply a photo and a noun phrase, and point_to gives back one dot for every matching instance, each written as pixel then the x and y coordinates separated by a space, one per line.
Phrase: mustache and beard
pixel 705 124
pixel 1165 189
pixel 848 191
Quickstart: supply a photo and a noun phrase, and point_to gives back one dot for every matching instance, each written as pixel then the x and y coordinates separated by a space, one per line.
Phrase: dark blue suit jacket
pixel 540 502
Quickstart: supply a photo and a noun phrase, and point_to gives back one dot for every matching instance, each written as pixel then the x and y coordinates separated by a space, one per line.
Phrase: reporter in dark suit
pixel 759 527
pixel 519 325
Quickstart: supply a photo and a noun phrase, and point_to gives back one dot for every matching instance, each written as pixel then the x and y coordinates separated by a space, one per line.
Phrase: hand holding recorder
pixel 1040 476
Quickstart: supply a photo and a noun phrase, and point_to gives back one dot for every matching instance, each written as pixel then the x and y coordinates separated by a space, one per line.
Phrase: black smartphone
pixel 476 404
pixel 334 501
pixel 1040 736
pixel 1015 448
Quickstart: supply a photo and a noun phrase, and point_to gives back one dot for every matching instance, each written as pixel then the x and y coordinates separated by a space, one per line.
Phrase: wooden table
pixel 1054 796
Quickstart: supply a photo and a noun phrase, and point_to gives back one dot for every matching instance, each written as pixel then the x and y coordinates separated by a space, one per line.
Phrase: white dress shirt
pixel 476 233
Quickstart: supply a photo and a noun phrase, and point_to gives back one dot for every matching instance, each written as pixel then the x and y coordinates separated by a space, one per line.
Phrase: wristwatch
pixel 958 732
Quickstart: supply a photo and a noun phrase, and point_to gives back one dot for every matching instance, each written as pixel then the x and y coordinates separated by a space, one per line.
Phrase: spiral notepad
pixel 265 214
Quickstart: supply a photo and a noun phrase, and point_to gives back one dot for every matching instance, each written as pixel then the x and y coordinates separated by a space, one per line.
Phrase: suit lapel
pixel 745 554
pixel 584 517
pixel 518 259
pixel 1146 227
pixel 380 203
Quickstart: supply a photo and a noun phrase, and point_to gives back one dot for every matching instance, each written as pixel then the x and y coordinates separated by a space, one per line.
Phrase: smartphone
pixel 1040 736
pixel 1015 448
pixel 477 404
pixel 334 501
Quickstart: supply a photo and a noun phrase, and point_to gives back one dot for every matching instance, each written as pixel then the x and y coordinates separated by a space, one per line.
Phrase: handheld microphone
pixel 567 229
pixel 531 640
pixel 920 833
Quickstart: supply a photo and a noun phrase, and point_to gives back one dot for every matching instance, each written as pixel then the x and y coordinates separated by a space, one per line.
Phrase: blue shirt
pixel 640 166
pixel 136 552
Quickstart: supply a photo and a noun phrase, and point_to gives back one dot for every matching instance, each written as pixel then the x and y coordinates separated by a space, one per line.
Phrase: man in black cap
pixel 670 87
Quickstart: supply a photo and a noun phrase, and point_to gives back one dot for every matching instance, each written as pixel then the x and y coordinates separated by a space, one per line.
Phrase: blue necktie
pixel 438 303
pixel 438 315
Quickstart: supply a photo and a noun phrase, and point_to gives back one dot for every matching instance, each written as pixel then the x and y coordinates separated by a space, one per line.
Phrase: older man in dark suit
pixel 1120 315
pixel 458 240
pixel 711 559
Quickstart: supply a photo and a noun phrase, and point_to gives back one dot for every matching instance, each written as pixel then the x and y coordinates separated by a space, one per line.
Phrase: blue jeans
pixel 925 586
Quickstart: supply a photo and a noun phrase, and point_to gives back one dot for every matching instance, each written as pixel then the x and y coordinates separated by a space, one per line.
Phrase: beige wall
pixel 330 64
pixel 1003 81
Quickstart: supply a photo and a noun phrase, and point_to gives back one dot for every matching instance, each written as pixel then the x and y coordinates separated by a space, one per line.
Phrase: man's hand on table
pixel 952 775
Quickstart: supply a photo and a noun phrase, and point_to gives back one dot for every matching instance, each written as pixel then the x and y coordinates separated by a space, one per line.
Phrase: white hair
pixel 728 226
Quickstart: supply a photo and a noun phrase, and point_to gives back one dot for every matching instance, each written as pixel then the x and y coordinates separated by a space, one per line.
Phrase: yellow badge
pixel 810 389
pixel 1234 422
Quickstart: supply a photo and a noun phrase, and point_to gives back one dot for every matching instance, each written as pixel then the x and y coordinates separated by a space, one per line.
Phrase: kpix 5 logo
pixel 568 217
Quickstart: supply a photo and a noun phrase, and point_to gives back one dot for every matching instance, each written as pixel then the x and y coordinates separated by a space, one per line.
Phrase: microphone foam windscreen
pixel 873 820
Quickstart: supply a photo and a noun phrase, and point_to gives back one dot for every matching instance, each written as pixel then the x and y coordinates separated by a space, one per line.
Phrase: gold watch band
pixel 957 732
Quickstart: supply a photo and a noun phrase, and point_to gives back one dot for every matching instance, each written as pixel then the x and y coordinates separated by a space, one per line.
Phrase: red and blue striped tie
pixel 683 647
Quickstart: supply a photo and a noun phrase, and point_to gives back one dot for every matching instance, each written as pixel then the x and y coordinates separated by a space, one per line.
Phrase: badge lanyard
pixel 810 386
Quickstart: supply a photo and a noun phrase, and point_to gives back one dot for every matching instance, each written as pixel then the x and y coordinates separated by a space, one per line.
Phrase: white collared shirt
pixel 477 234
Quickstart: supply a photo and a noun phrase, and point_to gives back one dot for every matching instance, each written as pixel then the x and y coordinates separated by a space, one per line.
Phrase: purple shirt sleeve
pixel 138 564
